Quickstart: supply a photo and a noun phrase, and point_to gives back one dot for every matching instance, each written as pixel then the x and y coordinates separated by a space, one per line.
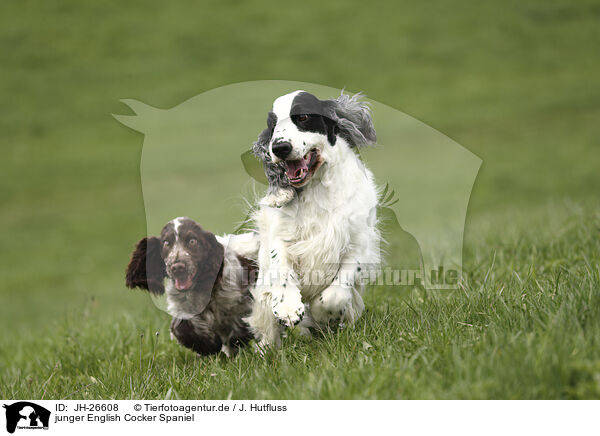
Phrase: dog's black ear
pixel 261 146
pixel 332 130
pixel 275 173
pixel 210 268
pixel 353 119
pixel 146 269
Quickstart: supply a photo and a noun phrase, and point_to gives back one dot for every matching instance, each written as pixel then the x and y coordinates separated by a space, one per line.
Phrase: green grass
pixel 525 324
pixel 514 83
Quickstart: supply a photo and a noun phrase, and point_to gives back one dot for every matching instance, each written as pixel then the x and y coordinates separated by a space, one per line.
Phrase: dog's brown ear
pixel 146 269
pixel 210 268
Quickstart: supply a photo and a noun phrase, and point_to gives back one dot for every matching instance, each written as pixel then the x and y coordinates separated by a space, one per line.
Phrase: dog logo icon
pixel 26 415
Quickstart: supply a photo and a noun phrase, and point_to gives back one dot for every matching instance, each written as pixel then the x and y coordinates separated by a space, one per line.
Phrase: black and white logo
pixel 26 415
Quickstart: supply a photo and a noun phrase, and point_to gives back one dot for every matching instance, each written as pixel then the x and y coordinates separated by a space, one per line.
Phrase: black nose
pixel 177 268
pixel 282 149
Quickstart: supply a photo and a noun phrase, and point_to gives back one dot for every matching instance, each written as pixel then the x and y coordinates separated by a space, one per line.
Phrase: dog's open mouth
pixel 300 171
pixel 183 282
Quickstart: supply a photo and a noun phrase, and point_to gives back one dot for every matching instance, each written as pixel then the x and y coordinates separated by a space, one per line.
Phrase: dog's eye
pixel 303 117
pixel 166 243
pixel 192 242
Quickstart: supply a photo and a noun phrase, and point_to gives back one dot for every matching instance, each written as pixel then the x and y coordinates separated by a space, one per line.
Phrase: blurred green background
pixel 515 82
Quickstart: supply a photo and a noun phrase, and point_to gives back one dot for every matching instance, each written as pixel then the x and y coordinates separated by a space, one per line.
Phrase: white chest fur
pixel 331 218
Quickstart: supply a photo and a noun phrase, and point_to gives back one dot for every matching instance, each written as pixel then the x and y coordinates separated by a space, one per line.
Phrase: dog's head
pixel 301 129
pixel 189 255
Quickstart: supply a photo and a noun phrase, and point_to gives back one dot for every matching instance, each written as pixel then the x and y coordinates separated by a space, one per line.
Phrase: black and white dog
pixel 208 283
pixel 318 222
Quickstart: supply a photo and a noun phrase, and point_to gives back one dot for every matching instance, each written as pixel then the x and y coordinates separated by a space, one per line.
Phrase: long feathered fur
pixel 353 117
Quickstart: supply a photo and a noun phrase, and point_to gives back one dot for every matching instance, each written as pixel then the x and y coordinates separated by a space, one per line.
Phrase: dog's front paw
pixel 279 198
pixel 287 306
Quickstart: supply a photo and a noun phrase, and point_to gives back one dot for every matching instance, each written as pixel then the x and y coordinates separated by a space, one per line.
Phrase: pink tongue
pixel 294 167
pixel 183 284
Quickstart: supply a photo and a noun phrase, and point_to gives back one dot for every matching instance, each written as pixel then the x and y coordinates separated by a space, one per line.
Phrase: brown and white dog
pixel 208 281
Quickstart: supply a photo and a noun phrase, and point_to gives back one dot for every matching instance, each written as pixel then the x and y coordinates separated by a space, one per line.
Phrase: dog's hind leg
pixel 307 323
pixel 341 302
